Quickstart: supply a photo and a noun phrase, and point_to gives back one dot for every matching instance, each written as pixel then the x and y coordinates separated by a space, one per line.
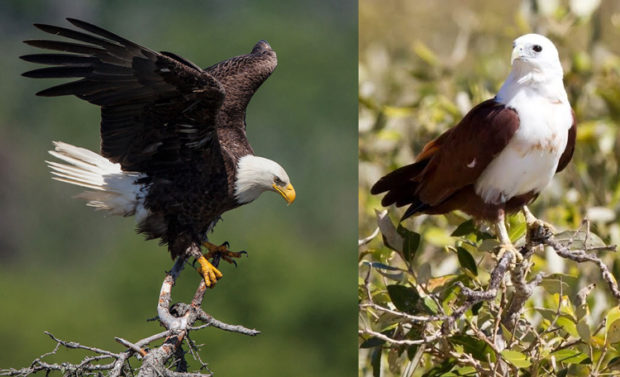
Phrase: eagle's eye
pixel 278 181
pixel 537 48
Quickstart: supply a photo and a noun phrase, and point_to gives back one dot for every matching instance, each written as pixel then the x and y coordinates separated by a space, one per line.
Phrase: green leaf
pixel 488 244
pixel 411 241
pixel 612 326
pixel 441 370
pixel 466 260
pixel 391 238
pixel 569 356
pixel 468 227
pixel 466 371
pixel 581 306
pixel 475 308
pixel 568 325
pixel 411 351
pixel 613 332
pixel 584 330
pixel 558 283
pixel 516 358
pixel 424 273
pixel 474 346
pixel 579 238
pixel 430 305
pixel 614 363
pixel 404 298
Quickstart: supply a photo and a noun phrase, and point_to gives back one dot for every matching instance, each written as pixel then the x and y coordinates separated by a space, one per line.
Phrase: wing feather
pixel 567 155
pixel 444 167
pixel 241 76
pixel 467 150
pixel 145 97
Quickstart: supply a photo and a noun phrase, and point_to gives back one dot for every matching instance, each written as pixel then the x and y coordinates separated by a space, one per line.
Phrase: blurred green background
pixel 88 278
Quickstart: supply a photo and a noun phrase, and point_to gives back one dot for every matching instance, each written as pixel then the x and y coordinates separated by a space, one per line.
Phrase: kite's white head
pixel 536 70
pixel 536 53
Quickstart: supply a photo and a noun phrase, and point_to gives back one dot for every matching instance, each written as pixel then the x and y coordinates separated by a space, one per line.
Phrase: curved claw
pixel 226 244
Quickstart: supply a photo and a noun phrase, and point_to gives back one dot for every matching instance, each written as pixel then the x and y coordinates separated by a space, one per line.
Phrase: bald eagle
pixel 502 154
pixel 174 151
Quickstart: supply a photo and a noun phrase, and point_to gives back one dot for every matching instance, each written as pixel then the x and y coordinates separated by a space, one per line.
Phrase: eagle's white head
pixel 256 175
pixel 536 66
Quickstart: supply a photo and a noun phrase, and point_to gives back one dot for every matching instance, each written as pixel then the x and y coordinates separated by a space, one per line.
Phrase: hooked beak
pixel 288 193
pixel 516 54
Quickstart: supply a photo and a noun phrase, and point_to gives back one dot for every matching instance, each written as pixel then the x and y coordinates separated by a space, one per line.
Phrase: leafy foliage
pixel 419 83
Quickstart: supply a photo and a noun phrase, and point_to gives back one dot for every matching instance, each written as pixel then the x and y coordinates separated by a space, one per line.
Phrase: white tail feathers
pixel 116 190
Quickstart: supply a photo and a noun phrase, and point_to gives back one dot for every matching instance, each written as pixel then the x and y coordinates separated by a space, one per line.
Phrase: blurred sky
pixel 85 277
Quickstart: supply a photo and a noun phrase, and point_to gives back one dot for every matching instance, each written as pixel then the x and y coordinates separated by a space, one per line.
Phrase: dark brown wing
pixel 567 155
pixel 482 134
pixel 452 161
pixel 156 108
pixel 241 76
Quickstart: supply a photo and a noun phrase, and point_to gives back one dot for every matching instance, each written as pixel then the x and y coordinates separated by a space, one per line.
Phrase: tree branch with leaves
pixel 476 322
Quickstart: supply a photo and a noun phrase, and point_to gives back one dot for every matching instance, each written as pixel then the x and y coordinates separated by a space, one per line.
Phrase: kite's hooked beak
pixel 288 192
pixel 517 53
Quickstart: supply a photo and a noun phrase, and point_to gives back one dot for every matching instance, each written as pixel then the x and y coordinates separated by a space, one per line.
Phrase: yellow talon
pixel 208 271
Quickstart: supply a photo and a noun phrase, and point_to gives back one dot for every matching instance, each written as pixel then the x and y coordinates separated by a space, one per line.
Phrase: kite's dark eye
pixel 537 48
pixel 278 181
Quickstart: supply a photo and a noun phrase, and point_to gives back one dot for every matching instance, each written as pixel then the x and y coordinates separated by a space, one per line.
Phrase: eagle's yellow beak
pixel 288 193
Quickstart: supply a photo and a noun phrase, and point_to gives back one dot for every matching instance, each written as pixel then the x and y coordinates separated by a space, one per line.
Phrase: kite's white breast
pixel 530 159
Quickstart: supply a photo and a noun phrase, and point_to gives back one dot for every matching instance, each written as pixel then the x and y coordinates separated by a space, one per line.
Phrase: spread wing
pixel 452 161
pixel 157 109
pixel 241 76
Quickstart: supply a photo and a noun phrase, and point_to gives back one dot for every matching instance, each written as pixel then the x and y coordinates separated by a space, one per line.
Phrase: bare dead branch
pixel 178 320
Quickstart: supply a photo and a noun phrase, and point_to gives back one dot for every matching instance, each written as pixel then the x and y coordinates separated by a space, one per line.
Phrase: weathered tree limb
pixel 167 359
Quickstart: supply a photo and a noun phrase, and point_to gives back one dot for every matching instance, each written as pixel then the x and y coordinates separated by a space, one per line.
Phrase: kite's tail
pixel 116 191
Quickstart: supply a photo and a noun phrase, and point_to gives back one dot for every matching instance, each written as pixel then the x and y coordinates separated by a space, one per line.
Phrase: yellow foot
pixel 208 271
pixel 221 251
pixel 509 248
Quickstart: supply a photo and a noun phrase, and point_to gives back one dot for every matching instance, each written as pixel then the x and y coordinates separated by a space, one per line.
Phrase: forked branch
pixel 166 359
